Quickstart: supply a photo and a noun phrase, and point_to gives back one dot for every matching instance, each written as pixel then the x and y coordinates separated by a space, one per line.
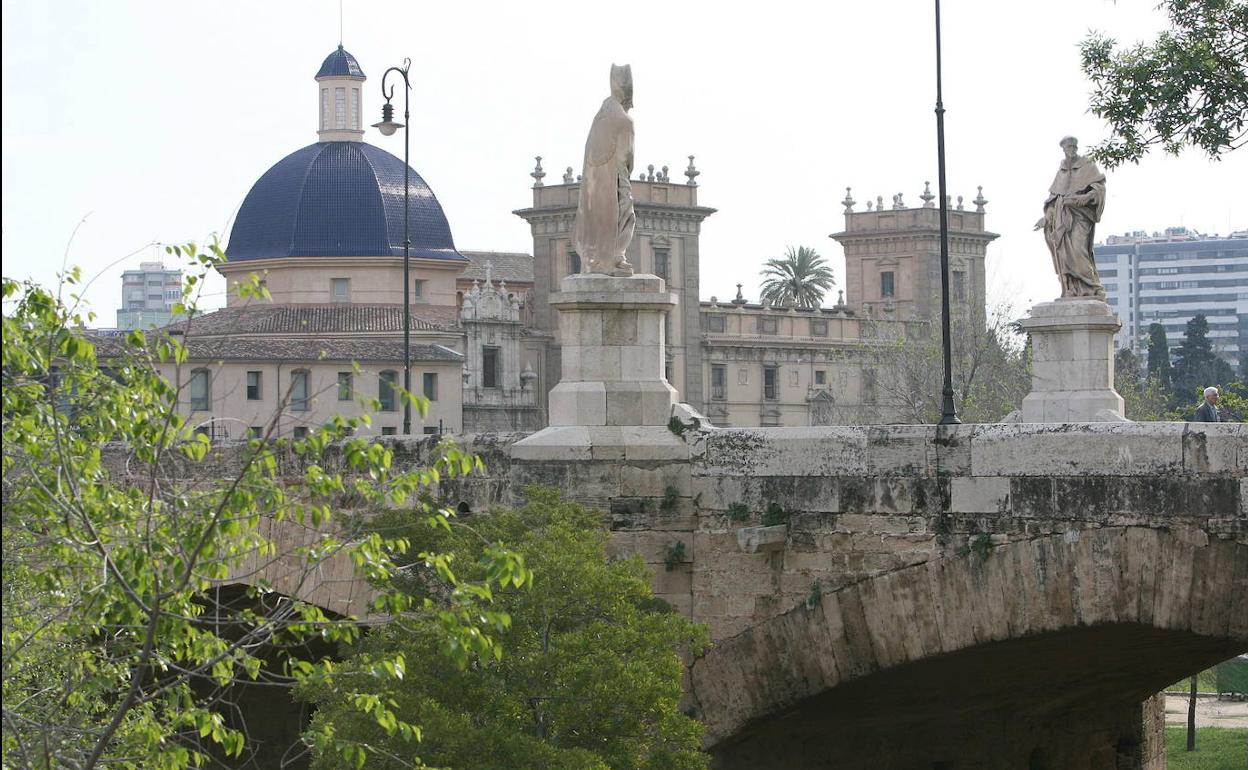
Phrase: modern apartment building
pixel 1171 277
pixel 148 296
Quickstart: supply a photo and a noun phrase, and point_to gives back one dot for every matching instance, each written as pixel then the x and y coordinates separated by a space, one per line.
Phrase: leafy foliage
pixel 1159 354
pixel 799 279
pixel 1196 366
pixel 118 649
pixel 1189 87
pixel 1144 397
pixel 592 675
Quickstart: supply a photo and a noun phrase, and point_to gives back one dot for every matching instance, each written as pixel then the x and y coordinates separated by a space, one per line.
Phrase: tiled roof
pixel 340 64
pixel 509 266
pixel 297 350
pixel 339 199
pixel 318 319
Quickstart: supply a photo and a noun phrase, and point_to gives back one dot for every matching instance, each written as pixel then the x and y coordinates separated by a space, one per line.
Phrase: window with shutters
pixel 201 390
pixel 385 389
pixel 299 396
pixel 340 108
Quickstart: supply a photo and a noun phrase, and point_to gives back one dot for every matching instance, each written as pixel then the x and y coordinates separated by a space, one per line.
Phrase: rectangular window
pixel 430 383
pixel 868 386
pixel 344 386
pixel 766 325
pixel 418 288
pixel 489 367
pixel 355 111
pixel 771 383
pixel 201 390
pixel 887 284
pixel 340 108
pixel 255 431
pixel 715 323
pixel 574 263
pixel 958 288
pixel 254 391
pixel 818 327
pixel 719 382
pixel 821 377
pixel 388 431
pixel 385 390
pixel 324 109
pixel 299 391
pixel 661 260
pixel 301 432
pixel 340 289
pixel 743 376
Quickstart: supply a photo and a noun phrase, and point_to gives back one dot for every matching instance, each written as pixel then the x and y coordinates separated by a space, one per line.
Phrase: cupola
pixel 340 84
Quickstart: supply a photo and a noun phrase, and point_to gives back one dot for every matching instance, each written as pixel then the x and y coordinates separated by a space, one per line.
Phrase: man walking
pixel 1208 410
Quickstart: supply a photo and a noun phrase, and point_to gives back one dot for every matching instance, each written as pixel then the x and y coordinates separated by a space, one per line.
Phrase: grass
pixel 1217 748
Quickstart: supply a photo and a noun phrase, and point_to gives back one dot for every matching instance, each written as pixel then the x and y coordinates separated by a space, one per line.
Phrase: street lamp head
pixel 388 124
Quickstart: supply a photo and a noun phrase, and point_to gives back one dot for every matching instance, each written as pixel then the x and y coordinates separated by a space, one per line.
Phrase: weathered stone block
pixel 761 539
pixel 832 451
pixel 1077 449
pixel 979 494
pixel 1215 448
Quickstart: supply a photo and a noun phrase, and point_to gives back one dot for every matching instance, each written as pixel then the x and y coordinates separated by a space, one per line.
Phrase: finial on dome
pixel 537 173
pixel 927 196
pixel 849 202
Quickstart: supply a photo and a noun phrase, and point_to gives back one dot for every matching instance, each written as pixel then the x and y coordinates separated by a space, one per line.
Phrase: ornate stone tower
pixel 892 257
pixel 665 244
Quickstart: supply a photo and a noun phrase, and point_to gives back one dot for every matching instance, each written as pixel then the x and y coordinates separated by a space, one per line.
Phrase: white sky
pixel 153 119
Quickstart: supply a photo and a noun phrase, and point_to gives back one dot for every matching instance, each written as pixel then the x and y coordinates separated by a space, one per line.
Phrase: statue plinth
pixel 1072 364
pixel 611 332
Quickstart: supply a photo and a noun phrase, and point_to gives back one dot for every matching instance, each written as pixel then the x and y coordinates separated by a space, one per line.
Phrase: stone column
pixel 611 335
pixel 1072 366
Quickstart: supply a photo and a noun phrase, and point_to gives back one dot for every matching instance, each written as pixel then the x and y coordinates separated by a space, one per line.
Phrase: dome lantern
pixel 340 84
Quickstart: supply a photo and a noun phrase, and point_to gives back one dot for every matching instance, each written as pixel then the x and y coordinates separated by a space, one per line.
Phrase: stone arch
pixel 1097 587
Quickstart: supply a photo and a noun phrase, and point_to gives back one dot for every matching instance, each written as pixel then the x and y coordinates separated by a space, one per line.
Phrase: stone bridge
pixel 975 596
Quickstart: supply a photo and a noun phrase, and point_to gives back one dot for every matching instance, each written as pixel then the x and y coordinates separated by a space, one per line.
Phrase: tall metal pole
pixel 949 415
pixel 407 258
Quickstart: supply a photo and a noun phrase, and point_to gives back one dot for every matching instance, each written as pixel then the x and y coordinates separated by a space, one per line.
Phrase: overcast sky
pixel 153 119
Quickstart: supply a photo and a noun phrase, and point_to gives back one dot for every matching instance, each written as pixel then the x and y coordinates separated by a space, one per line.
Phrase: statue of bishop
pixel 604 212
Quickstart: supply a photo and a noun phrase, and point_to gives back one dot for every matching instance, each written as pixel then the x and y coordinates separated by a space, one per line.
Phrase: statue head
pixel 1070 145
pixel 622 84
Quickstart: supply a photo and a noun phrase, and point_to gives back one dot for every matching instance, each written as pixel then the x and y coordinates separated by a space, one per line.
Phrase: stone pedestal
pixel 1072 374
pixel 611 339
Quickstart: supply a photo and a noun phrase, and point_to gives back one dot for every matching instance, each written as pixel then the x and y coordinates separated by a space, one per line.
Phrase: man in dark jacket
pixel 1208 410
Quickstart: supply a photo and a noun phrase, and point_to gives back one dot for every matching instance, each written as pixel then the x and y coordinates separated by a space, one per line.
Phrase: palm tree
pixel 799 279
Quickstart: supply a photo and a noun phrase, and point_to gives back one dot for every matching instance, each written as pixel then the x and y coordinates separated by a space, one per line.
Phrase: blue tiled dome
pixel 338 199
pixel 340 64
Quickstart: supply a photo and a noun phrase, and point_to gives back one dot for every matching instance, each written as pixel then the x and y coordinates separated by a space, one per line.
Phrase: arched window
pixel 299 391
pixel 385 389
pixel 201 390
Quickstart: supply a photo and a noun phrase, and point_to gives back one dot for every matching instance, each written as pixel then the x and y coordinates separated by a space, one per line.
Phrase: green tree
pixel 799 279
pixel 1189 87
pixel 591 678
pixel 1196 366
pixel 1144 398
pixel 1158 354
pixel 117 648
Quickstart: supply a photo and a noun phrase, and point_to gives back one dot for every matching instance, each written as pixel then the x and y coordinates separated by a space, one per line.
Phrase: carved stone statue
pixel 604 212
pixel 1076 200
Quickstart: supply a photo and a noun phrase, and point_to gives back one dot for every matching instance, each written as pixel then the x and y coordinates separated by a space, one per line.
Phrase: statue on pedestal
pixel 1076 200
pixel 604 211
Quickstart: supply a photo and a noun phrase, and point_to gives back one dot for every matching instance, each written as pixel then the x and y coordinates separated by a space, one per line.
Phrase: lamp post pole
pixel 949 415
pixel 387 126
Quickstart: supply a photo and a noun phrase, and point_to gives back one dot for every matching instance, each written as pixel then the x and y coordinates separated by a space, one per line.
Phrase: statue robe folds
pixel 1076 200
pixel 604 212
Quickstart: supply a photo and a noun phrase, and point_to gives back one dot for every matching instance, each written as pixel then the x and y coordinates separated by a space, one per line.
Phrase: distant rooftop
pixel 510 266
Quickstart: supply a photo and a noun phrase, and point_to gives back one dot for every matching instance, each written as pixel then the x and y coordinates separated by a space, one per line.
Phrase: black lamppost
pixel 387 127
pixel 949 415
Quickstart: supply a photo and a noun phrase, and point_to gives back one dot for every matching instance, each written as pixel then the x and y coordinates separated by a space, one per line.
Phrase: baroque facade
pixel 323 231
